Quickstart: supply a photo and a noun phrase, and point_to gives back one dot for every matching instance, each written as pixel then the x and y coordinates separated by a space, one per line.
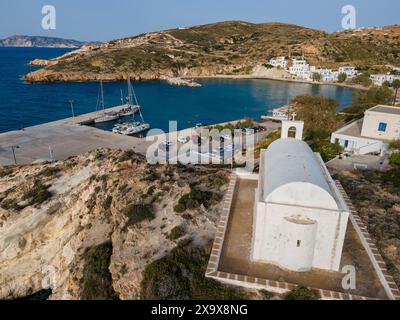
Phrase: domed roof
pixel 293 175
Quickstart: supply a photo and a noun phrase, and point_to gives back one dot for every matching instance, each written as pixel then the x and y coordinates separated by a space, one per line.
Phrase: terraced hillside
pixel 232 47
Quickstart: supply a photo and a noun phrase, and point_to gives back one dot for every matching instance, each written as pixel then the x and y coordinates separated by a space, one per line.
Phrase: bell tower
pixel 292 128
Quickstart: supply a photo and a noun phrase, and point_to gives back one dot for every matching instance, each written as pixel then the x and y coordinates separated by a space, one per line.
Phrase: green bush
pixel 195 198
pixel 327 150
pixel 362 79
pixel 215 180
pixel 37 195
pixel 316 76
pixel 266 295
pixel 5 171
pixel 176 233
pixel 9 204
pixel 395 159
pixel 151 190
pixel 151 176
pixel 392 177
pixel 126 155
pixel 342 77
pixel 302 293
pixel 107 202
pixel 180 275
pixel 394 144
pixel 49 172
pixel 363 100
pixel 137 213
pixel 97 282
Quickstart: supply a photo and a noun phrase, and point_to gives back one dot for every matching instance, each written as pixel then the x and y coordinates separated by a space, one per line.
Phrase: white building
pixel 350 72
pixel 380 79
pixel 300 217
pixel 301 69
pixel 371 134
pixel 328 74
pixel 280 62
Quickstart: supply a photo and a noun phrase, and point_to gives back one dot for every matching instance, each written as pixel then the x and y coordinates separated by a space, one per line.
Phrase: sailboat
pixel 132 108
pixel 134 127
pixel 106 117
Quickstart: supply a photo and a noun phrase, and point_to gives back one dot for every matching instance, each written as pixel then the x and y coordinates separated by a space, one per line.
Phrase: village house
pixel 350 72
pixel 380 79
pixel 328 74
pixel 371 134
pixel 300 69
pixel 279 62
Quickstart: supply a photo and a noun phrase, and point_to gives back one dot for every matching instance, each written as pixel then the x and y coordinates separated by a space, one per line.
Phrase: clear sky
pixel 109 19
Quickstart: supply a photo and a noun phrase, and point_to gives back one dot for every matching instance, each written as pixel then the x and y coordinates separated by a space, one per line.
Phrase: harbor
pixel 61 139
pixel 58 140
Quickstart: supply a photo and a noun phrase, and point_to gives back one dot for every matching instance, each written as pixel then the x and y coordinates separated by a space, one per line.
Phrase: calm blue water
pixel 23 105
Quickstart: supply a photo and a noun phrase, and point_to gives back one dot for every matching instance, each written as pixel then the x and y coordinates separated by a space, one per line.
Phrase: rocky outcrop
pixel 42 62
pixel 51 213
pixel 181 82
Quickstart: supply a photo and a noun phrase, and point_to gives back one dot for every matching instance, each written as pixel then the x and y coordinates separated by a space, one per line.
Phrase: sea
pixel 218 100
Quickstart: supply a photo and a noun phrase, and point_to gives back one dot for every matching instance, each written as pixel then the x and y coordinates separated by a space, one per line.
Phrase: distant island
pixel 42 42
pixel 234 48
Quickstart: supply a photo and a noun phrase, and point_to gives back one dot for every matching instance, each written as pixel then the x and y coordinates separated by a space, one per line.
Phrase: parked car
pixel 183 139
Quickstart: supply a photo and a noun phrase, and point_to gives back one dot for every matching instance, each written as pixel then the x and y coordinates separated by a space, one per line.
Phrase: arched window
pixel 292 132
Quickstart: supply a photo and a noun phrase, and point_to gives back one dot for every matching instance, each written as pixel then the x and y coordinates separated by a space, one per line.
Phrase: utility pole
pixel 72 108
pixel 13 152
pixel 51 154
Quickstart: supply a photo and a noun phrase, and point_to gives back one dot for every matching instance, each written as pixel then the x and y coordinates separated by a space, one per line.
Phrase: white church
pixel 300 217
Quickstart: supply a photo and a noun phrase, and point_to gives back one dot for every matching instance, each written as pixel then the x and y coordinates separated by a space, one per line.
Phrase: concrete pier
pixel 66 137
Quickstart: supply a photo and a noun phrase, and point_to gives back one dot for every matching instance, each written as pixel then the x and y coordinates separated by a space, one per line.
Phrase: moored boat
pixel 105 117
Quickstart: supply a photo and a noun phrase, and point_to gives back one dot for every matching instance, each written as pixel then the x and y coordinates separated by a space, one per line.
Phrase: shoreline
pixel 174 82
pixel 253 77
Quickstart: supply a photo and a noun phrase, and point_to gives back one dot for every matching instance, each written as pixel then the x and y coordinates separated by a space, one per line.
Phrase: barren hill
pixel 232 47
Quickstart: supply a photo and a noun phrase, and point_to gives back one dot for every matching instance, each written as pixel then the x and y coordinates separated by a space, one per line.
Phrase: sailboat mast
pixel 137 103
pixel 102 94
pixel 134 95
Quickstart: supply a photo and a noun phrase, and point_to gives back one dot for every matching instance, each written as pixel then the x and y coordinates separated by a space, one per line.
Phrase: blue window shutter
pixel 382 127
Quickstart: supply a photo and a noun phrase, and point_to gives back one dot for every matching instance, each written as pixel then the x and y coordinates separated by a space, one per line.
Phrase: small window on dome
pixel 298 243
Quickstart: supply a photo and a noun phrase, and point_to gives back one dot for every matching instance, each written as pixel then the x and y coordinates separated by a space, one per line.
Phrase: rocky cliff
pixel 226 48
pixel 52 215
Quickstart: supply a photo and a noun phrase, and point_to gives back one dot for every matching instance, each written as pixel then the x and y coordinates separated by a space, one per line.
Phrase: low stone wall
pixel 222 225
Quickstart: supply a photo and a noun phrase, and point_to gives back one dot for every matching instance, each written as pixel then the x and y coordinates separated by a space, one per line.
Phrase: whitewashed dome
pixel 294 176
